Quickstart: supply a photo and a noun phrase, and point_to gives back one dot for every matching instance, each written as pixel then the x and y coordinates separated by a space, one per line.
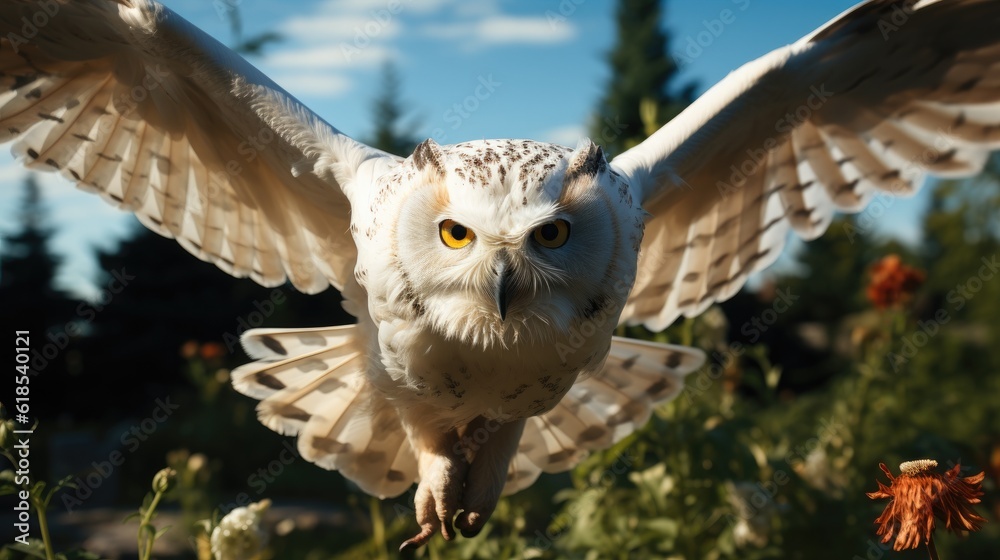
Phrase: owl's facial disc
pixel 501 241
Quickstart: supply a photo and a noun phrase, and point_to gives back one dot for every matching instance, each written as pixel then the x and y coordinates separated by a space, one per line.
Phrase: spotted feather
pixel 862 111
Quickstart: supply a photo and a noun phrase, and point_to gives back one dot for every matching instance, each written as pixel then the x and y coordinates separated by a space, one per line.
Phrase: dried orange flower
pixel 893 283
pixel 919 495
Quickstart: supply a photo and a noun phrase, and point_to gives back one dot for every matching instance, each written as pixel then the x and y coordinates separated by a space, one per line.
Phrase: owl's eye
pixel 553 234
pixel 455 235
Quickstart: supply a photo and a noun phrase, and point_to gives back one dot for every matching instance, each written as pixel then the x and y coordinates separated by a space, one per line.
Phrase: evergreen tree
pixel 30 301
pixel 28 268
pixel 171 297
pixel 642 72
pixel 387 113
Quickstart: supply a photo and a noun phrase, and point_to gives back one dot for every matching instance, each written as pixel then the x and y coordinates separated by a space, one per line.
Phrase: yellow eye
pixel 553 234
pixel 455 235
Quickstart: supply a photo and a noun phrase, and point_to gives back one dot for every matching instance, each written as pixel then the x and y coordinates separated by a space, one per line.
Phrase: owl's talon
pixel 447 530
pixel 470 523
pixel 438 496
pixel 420 539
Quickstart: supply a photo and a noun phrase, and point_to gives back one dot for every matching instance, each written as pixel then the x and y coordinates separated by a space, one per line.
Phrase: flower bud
pixel 7 428
pixel 165 480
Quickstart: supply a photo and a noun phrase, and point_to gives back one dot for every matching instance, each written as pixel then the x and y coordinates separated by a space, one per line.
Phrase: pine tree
pixel 642 72
pixel 387 113
pixel 30 301
pixel 171 297
pixel 28 268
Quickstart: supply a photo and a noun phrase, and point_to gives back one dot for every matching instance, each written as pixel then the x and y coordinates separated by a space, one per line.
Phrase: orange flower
pixel 212 351
pixel 893 283
pixel 919 495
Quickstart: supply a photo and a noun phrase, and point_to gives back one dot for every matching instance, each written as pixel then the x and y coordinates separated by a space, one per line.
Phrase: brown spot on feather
pixel 269 381
pixel 272 344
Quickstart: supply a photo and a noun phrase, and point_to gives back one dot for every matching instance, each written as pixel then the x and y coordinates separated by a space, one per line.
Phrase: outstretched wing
pixel 603 409
pixel 132 102
pixel 861 107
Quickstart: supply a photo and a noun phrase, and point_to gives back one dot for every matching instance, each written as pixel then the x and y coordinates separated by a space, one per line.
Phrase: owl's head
pixel 512 239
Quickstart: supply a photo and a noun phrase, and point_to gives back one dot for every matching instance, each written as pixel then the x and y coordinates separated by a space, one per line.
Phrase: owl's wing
pixel 311 384
pixel 602 409
pixel 130 101
pixel 858 109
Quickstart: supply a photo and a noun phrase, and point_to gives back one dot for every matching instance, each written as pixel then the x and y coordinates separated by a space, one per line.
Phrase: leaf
pixel 663 527
pixel 7 485
pixel 35 548
pixel 78 554
pixel 37 488
pixel 65 482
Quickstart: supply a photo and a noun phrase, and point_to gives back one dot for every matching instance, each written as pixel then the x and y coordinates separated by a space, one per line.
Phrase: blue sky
pixel 544 61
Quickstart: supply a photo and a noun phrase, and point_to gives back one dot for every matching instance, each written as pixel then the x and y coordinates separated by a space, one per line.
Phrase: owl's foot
pixel 437 498
pixel 449 482
pixel 487 474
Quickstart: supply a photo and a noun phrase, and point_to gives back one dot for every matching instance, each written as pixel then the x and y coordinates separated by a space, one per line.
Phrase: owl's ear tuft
pixel 585 164
pixel 428 157
pixel 587 161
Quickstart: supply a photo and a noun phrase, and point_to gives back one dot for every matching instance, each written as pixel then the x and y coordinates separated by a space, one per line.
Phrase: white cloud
pixel 341 27
pixel 503 30
pixel 338 37
pixel 507 29
pixel 316 83
pixel 568 135
pixel 396 7
pixel 329 56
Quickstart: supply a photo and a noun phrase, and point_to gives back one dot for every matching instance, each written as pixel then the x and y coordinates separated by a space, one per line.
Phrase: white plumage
pixel 488 277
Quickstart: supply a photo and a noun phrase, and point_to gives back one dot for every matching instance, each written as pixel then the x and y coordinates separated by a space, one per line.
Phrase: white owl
pixel 487 277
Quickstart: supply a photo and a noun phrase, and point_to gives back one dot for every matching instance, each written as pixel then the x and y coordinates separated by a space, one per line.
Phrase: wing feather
pixel 312 384
pixel 602 409
pixel 133 103
pixel 811 129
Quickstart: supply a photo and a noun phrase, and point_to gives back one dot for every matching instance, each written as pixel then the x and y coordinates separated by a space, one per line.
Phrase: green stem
pixel 43 524
pixel 378 527
pixel 147 517
pixel 931 548
pixel 687 332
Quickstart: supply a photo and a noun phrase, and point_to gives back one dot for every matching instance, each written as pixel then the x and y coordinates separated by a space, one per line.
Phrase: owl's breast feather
pixel 422 369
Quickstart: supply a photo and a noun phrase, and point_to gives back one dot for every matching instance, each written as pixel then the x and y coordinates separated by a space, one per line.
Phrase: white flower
pixel 754 508
pixel 823 473
pixel 239 535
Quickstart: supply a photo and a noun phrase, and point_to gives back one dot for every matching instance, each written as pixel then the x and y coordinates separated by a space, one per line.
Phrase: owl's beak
pixel 504 283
